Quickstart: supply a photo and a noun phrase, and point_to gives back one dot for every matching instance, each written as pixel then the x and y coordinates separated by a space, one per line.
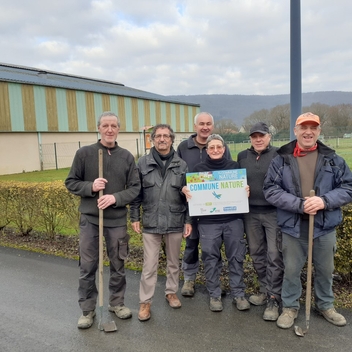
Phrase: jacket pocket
pixel 177 179
pixel 150 215
pixel 177 215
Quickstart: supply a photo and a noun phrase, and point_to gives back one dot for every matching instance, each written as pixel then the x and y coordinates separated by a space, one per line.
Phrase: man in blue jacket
pixel 302 165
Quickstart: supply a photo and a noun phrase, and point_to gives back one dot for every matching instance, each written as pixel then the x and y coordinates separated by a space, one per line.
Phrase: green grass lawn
pixel 343 147
pixel 37 176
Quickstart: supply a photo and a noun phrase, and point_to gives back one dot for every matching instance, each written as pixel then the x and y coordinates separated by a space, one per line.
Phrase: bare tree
pixel 225 126
pixel 257 116
pixel 280 118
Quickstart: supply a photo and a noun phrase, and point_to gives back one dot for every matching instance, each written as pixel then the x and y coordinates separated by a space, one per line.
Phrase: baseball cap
pixel 308 117
pixel 259 127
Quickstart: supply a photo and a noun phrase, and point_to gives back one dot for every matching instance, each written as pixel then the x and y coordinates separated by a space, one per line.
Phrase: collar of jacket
pixel 289 147
pixel 190 143
pixel 266 150
pixel 174 162
pixel 103 146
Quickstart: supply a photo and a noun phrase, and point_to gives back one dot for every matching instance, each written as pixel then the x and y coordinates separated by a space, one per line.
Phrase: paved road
pixel 39 312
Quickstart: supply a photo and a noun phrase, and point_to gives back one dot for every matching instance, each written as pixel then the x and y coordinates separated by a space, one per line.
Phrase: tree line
pixel 336 121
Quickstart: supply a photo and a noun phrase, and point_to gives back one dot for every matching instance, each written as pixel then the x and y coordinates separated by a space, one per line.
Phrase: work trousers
pixel 264 242
pixel 295 252
pixel 116 239
pixel 190 261
pixel 151 247
pixel 211 238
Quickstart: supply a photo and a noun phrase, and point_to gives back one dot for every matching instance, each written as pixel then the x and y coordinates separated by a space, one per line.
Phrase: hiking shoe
pixel 144 311
pixel 121 312
pixel 333 317
pixel 271 312
pixel 188 288
pixel 86 320
pixel 173 300
pixel 215 304
pixel 241 303
pixel 258 299
pixel 287 318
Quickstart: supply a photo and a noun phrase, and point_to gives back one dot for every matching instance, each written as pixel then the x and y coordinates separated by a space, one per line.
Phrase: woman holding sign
pixel 221 227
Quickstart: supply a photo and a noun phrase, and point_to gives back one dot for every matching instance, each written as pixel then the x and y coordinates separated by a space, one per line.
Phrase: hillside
pixel 237 107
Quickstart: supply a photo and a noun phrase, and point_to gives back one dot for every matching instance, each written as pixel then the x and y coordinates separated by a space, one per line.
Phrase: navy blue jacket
pixel 332 182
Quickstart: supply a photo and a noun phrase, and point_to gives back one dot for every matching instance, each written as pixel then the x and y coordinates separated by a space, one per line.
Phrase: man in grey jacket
pixel 165 216
pixel 121 185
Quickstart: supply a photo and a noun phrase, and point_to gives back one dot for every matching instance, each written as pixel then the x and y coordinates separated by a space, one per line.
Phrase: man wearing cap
pixel 302 165
pixel 263 234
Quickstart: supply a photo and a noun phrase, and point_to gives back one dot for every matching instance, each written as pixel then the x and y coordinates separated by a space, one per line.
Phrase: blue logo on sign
pixel 230 208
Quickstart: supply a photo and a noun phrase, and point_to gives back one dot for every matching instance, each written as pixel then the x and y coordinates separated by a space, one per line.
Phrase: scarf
pixel 163 161
pixel 217 164
pixel 299 152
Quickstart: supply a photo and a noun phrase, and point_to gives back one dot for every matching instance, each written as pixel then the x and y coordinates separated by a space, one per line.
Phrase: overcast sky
pixel 182 47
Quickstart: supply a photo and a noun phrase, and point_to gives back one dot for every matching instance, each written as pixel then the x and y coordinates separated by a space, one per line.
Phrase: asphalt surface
pixel 39 312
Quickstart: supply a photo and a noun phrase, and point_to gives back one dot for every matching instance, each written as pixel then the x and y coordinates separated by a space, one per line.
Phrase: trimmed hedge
pixel 45 207
pixel 48 208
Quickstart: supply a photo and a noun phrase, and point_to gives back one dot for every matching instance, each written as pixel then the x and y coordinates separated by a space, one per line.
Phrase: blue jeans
pixel 211 238
pixel 263 237
pixel 295 252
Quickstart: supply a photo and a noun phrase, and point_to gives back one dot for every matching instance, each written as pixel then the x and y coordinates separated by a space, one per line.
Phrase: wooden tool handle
pixel 101 230
pixel 309 266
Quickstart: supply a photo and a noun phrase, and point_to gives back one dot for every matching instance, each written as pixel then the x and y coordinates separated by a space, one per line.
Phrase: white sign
pixel 217 192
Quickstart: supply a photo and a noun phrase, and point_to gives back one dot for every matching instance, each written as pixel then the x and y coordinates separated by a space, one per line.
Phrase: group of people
pixel 275 228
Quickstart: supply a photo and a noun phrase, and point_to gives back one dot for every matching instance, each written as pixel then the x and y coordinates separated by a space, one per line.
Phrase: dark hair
pixel 163 125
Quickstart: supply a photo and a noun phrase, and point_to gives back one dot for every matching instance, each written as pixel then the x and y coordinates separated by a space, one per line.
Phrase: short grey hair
pixel 203 113
pixel 216 137
pixel 108 113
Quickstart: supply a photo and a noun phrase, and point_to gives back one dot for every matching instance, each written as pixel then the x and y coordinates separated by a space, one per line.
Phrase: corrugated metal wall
pixel 34 108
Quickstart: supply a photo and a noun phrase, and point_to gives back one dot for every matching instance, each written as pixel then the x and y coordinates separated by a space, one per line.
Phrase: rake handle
pixel 101 230
pixel 309 268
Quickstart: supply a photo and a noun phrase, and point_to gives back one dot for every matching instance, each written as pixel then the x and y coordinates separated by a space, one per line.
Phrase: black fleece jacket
pixel 119 168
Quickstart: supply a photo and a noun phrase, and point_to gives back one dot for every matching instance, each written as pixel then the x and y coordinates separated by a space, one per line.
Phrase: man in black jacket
pixel 261 228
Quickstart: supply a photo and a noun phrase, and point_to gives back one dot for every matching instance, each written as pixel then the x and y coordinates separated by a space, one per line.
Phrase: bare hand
pixel 312 205
pixel 99 184
pixel 106 200
pixel 187 231
pixel 136 226
pixel 186 192
pixel 247 190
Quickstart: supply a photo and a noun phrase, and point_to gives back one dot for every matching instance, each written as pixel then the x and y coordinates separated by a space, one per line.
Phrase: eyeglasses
pixel 159 136
pixel 215 147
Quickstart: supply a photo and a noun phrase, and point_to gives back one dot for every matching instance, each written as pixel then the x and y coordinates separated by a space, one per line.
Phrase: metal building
pixel 39 109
